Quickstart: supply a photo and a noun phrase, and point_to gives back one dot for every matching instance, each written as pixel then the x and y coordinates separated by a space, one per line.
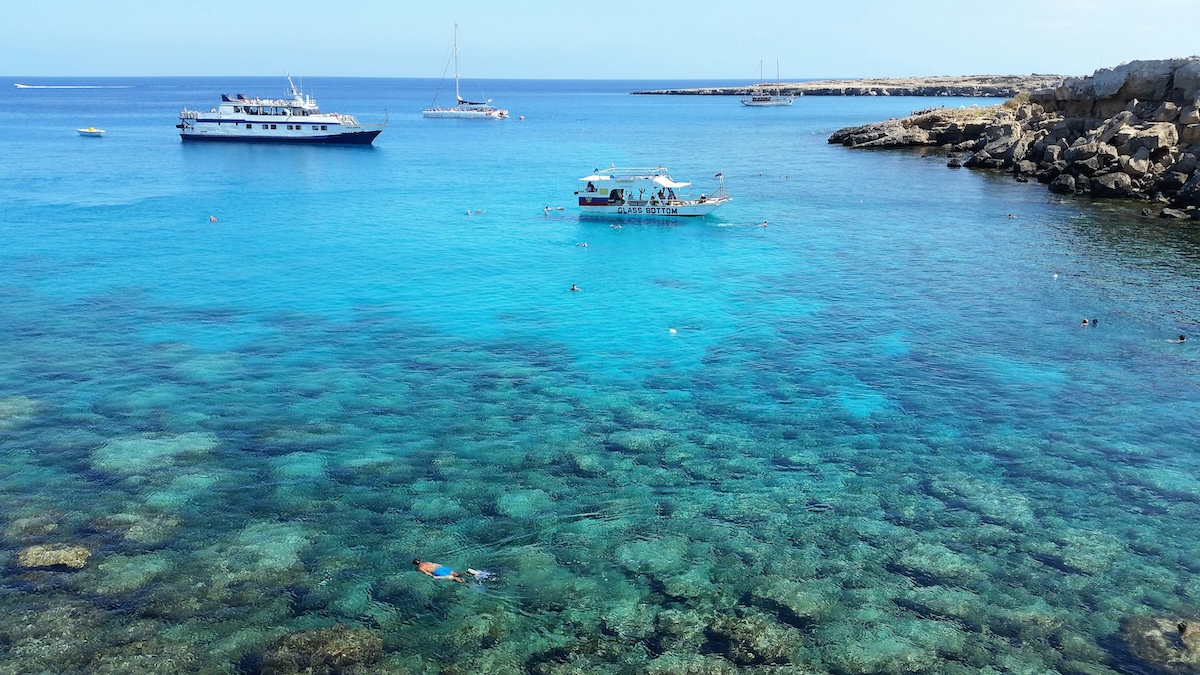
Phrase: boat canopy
pixel 665 181
pixel 661 181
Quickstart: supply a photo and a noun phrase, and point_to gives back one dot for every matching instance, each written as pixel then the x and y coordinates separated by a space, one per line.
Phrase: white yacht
pixel 762 97
pixel 268 120
pixel 463 109
pixel 632 192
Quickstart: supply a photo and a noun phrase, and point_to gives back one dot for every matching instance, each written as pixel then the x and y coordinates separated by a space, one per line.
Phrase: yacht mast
pixel 457 96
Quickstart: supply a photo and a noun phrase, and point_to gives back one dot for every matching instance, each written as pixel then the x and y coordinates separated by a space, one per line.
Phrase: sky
pixel 561 39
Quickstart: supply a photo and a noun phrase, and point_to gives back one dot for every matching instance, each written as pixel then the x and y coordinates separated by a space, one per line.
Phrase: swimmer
pixel 559 208
pixel 437 571
pixel 212 219
pixel 581 243
pixel 1095 322
pixel 1181 339
pixel 1084 324
pixel 574 288
pixel 1011 216
pixel 673 331
pixel 1056 275
pixel 615 227
pixel 546 211
pixel 763 224
pixel 478 210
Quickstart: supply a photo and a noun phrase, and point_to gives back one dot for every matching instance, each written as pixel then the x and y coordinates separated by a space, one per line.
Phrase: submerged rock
pixel 1171 644
pixel 321 651
pixel 71 556
pixel 16 410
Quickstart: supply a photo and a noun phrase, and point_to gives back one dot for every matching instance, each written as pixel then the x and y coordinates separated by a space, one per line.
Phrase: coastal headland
pixel 1003 86
pixel 1130 132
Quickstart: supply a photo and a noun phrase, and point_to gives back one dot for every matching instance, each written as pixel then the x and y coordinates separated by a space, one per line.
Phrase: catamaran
pixel 268 120
pixel 633 193
pixel 762 97
pixel 469 110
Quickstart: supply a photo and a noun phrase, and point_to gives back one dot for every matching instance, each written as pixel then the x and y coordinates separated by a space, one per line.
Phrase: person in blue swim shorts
pixel 437 571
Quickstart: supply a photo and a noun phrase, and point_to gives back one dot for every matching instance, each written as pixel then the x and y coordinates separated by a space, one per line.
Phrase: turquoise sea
pixel 871 437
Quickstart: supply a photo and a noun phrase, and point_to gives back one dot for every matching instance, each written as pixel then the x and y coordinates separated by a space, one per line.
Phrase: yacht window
pixel 272 126
pixel 249 126
pixel 324 128
pixel 264 126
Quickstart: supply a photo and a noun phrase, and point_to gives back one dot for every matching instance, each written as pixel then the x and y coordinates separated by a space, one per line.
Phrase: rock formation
pixel 965 85
pixel 53 555
pixel 1170 645
pixel 1127 132
pixel 335 649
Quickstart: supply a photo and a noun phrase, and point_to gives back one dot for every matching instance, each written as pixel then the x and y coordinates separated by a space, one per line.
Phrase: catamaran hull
pixel 348 138
pixel 466 114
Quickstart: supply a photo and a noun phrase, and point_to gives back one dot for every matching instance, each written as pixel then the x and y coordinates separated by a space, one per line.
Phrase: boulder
pixel 1167 112
pixel 1063 184
pixel 1175 214
pixel 1115 185
pixel 1152 137
pixel 1081 150
pixel 1187 81
pixel 71 556
pixel 1186 163
pixel 1190 135
pixel 1189 194
pixel 1146 80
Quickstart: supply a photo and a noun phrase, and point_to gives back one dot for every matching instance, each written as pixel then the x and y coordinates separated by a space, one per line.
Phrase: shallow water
pixel 254 425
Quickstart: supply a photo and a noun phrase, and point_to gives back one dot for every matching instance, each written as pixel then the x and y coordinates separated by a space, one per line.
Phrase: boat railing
pixel 618 172
pixel 189 114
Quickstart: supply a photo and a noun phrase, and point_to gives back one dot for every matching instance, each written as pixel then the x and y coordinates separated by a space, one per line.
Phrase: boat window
pixel 249 126
pixel 264 126
pixel 272 126
pixel 324 128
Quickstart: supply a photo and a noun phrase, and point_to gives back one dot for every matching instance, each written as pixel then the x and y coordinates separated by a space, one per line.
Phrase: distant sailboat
pixel 763 98
pixel 463 109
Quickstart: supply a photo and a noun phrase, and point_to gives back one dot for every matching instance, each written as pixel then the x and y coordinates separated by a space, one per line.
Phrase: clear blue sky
pixel 688 39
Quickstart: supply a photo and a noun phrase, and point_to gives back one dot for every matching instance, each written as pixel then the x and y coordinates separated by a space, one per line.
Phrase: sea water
pixel 870 436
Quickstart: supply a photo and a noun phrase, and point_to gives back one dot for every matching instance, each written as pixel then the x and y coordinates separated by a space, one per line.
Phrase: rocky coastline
pixel 1002 86
pixel 1129 132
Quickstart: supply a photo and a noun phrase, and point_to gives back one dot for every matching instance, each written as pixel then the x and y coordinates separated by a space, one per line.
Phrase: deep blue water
pixel 254 425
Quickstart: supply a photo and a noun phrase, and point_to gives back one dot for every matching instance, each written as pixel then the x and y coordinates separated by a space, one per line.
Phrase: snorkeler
pixel 437 571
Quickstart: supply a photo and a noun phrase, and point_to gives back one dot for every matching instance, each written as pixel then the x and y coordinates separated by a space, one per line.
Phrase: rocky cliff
pixel 1127 132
